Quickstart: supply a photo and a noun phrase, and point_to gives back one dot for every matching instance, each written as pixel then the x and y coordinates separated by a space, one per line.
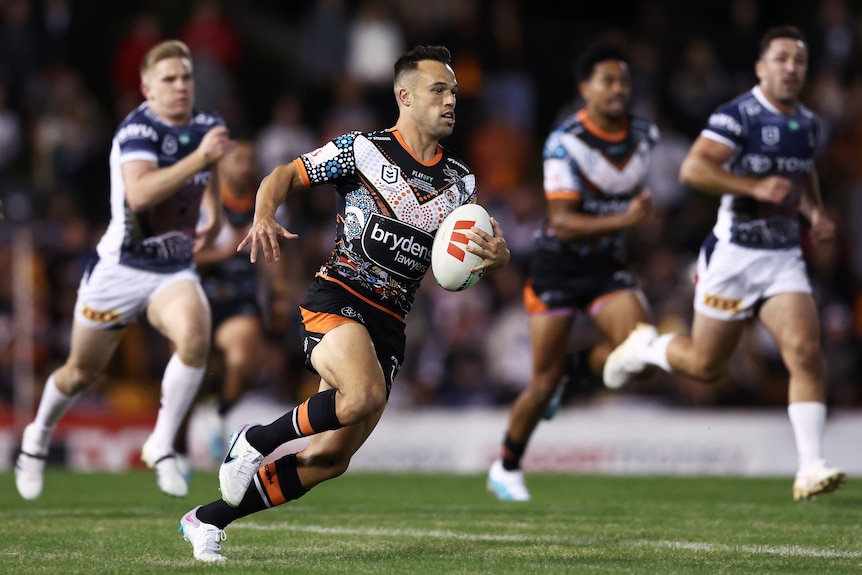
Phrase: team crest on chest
pixel 770 135
pixel 169 145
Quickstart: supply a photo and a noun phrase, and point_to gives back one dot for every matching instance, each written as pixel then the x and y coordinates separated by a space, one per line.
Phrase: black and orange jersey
pixel 600 171
pixel 392 204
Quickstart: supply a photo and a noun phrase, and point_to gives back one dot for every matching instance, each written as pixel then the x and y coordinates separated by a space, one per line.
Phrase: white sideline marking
pixel 782 551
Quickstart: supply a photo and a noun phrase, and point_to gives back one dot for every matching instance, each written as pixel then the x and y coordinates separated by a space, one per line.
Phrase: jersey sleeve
pixel 138 139
pixel 726 125
pixel 561 177
pixel 332 161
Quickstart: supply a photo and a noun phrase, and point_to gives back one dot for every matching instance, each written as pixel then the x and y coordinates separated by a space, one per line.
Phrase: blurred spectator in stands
pixel 215 41
pixel 322 50
pixel 500 151
pixel 737 44
pixel 509 88
pixel 285 136
pixel 645 72
pixel 374 41
pixel 11 135
pixel 697 84
pixel 832 38
pixel 209 33
pixel 463 35
pixel 57 25
pixel 350 109
pixel 827 96
pixel 465 382
pixel 663 177
pixel 841 355
pixel 19 49
pixel 460 322
pixel 144 31
pixel 68 138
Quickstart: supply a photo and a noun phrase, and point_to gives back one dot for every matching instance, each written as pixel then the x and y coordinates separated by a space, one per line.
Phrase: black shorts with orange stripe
pixel 564 281
pixel 327 305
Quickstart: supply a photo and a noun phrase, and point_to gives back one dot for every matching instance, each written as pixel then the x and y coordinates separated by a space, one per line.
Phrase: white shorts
pixel 737 280
pixel 112 295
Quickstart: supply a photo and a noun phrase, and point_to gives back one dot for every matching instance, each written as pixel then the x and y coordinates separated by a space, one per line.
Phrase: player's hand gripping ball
pixel 450 261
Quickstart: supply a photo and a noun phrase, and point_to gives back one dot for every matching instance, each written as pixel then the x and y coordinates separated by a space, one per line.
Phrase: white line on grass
pixel 782 551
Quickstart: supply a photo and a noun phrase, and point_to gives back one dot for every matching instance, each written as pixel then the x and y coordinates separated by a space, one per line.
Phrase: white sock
pixel 179 388
pixel 656 353
pixel 52 406
pixel 808 419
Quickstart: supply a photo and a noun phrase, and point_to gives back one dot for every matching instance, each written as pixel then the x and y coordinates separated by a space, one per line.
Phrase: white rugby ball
pixel 450 261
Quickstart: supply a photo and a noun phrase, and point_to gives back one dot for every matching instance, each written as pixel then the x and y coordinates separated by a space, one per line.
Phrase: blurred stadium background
pixel 291 75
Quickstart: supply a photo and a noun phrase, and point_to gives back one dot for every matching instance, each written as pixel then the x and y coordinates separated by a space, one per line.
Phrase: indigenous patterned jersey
pixel 161 238
pixel 392 206
pixel 602 171
pixel 765 142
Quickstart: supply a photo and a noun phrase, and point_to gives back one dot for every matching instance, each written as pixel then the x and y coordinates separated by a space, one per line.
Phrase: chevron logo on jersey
pixel 459 238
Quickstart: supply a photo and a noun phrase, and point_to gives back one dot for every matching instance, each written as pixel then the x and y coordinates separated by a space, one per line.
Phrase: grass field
pixel 409 524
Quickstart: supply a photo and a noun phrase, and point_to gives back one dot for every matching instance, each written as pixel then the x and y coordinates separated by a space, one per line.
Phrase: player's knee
pixel 193 346
pixel 708 370
pixel 358 406
pixel 77 379
pixel 544 385
pixel 801 352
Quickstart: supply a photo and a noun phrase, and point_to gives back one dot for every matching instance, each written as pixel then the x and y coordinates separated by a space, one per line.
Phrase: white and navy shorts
pixel 112 295
pixel 733 281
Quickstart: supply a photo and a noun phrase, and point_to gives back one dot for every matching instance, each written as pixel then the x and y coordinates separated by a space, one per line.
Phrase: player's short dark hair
pixel 410 60
pixel 791 32
pixel 595 53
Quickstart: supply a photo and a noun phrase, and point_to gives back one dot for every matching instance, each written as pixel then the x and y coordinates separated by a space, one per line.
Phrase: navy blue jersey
pixel 161 238
pixel 765 142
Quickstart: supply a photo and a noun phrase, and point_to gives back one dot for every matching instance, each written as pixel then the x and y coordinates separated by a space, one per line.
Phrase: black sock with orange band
pixel 315 414
pixel 275 483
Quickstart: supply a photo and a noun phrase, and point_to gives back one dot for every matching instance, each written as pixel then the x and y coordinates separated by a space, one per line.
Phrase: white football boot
pixel 30 465
pixel 507 485
pixel 169 476
pixel 626 360
pixel 816 479
pixel 205 538
pixel 239 467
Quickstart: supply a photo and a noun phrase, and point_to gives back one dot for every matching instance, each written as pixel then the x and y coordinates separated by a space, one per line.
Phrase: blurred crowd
pixel 293 75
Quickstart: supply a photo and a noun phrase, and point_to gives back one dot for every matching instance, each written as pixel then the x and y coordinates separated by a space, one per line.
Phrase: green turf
pixel 408 524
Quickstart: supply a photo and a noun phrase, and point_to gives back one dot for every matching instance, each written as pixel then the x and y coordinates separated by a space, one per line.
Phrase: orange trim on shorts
pixel 269 480
pixel 532 303
pixel 302 419
pixel 357 294
pixel 322 322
